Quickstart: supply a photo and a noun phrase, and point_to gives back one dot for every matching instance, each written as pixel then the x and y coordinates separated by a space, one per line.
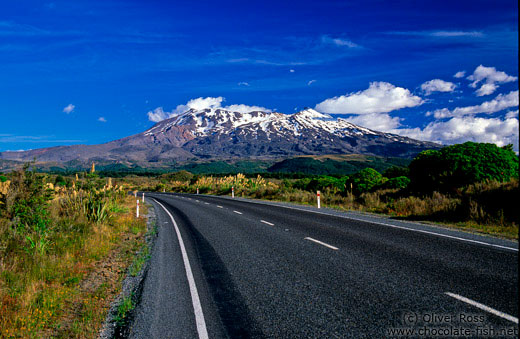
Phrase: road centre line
pixel 237 212
pixel 219 206
pixel 267 222
pixel 321 243
pixel 197 307
pixel 483 307
pixel 389 225
pixel 206 203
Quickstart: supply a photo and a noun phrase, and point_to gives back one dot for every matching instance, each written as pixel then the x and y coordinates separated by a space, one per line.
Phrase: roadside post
pixel 137 209
pixel 143 197
pixel 197 190
pixel 232 191
pixel 318 196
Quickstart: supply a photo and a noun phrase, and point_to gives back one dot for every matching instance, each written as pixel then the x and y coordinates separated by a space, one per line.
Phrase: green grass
pixel 125 307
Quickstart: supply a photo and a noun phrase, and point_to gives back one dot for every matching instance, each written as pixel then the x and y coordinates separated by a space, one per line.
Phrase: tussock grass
pixel 486 207
pixel 60 270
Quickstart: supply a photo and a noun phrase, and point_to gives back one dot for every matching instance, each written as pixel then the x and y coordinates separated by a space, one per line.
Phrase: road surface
pixel 225 267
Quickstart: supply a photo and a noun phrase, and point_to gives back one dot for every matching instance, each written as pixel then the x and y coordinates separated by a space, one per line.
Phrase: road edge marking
pixel 321 243
pixel 483 307
pixel 197 307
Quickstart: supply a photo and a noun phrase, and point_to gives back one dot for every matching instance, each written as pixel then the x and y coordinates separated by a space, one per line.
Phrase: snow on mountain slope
pixel 209 121
pixel 216 133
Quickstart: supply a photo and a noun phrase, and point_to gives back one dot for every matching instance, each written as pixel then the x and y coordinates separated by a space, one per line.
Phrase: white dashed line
pixel 197 307
pixel 219 206
pixel 483 307
pixel 388 225
pixel 206 203
pixel 267 222
pixel 237 212
pixel 197 200
pixel 322 243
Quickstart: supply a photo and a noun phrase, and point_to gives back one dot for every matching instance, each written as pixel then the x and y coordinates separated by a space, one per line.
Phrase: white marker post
pixel 135 194
pixel 197 190
pixel 137 209
pixel 318 196
pixel 232 191
pixel 143 197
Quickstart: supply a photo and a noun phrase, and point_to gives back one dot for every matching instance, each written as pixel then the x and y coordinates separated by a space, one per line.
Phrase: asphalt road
pixel 247 269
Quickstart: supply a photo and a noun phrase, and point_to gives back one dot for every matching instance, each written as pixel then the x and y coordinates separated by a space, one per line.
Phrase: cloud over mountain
pixel 200 103
pixel 379 97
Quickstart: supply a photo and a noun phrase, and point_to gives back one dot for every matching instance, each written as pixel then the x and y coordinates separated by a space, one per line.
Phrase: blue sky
pixel 91 71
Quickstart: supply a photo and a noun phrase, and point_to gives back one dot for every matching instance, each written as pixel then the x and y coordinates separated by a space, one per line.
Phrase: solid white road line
pixel 219 206
pixel 389 225
pixel 267 222
pixel 197 307
pixel 322 243
pixel 237 212
pixel 483 307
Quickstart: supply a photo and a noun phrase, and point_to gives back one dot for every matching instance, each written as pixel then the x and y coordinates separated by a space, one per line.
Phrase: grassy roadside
pixel 58 275
pixel 485 208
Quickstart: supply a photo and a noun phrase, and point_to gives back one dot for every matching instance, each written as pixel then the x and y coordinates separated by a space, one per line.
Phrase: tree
pixel 364 180
pixel 457 166
pixel 398 182
pixel 59 181
pixel 395 172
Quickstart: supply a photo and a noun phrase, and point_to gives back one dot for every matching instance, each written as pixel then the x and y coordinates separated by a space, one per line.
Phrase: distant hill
pixel 336 165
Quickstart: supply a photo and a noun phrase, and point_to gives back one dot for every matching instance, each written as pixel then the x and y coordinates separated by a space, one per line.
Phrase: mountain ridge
pixel 216 133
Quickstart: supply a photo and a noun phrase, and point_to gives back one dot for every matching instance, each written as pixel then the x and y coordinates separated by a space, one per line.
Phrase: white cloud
pixel 512 114
pixel 338 42
pixel 102 119
pixel 311 82
pixel 489 77
pixel 437 85
pixel 380 97
pixel 499 103
pixel 461 129
pixel 200 103
pixel 243 83
pixel 449 34
pixel 377 121
pixel 69 108
pixel 159 114
pixel 486 89
pixel 459 74
pixel 246 108
pixel 291 70
pixel 440 34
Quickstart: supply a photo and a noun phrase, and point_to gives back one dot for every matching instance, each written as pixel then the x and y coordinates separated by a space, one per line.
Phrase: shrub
pixel 395 172
pixel 460 165
pixel 397 182
pixel 364 180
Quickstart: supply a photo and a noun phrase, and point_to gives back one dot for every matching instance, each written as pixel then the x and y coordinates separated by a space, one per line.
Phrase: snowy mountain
pixel 222 134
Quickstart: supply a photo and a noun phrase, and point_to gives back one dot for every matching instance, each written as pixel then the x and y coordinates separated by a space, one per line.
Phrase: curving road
pixel 255 269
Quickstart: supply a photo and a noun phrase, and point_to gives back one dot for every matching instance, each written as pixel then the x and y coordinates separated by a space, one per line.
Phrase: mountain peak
pixel 312 114
pixel 221 133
